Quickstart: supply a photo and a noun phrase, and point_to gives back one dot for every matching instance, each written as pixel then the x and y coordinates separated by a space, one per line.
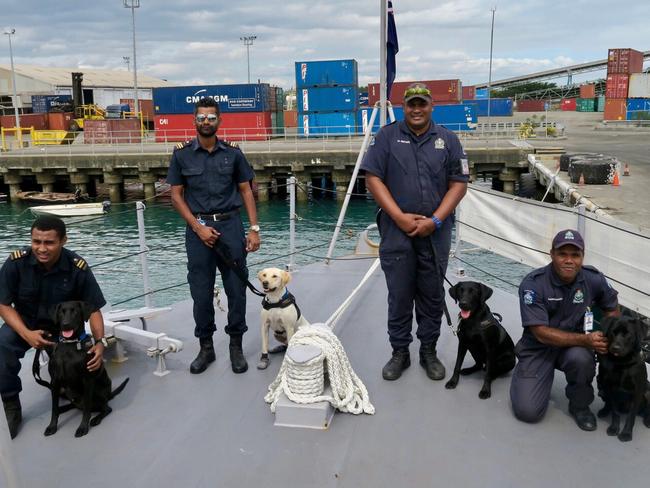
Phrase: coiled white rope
pixel 303 383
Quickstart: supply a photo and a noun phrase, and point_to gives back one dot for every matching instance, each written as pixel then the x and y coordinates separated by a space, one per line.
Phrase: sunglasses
pixel 210 118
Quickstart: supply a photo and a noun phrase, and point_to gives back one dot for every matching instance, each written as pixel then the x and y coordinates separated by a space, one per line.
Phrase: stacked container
pixel 442 91
pixel 276 98
pixel 245 111
pixel 622 64
pixel 457 117
pixel 327 97
pixel 587 100
pixel 530 105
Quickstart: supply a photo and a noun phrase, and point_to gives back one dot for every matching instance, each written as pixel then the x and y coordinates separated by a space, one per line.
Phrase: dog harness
pixel 286 301
pixel 80 341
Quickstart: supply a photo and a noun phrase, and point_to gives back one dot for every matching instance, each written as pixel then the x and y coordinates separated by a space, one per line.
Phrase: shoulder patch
pixel 80 263
pixel 529 297
pixel 181 145
pixel 232 144
pixel 18 254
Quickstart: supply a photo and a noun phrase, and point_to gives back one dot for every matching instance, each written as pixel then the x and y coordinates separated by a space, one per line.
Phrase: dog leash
pixel 36 370
pixel 223 253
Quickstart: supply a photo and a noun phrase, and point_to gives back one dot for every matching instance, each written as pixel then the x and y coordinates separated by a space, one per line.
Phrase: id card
pixel 589 321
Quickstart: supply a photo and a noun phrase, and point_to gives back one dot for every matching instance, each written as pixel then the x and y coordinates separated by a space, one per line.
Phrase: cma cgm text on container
pixel 231 98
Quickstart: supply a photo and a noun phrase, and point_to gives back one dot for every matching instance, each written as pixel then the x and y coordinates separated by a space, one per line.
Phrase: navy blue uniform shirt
pixel 210 178
pixel 33 291
pixel 545 300
pixel 416 170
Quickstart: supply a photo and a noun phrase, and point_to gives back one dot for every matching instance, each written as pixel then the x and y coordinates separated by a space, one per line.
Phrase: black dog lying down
pixel 622 375
pixel 481 334
pixel 86 390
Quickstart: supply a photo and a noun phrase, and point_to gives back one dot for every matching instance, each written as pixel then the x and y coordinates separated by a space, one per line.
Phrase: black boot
pixel 400 360
pixel 430 362
pixel 205 357
pixel 14 414
pixel 237 359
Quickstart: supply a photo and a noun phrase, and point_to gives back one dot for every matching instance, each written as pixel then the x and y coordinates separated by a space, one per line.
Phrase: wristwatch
pixel 103 341
pixel 255 228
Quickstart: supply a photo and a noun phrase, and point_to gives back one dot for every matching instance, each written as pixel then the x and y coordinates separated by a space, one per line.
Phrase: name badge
pixel 465 166
pixel 589 322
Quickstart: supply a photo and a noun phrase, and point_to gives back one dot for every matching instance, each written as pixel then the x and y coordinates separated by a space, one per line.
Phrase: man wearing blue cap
pixel 556 304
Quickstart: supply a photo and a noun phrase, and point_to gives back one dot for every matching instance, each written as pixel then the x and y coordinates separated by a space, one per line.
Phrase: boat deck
pixel 214 429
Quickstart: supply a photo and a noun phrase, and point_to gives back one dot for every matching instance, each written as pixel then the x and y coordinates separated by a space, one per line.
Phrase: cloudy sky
pixel 198 42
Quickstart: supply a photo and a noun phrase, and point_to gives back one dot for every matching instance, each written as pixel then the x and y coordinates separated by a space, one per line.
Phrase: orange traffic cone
pixel 626 170
pixel 581 181
pixel 616 182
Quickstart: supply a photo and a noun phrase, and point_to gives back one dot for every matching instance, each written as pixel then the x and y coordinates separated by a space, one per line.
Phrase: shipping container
pixel 363 99
pixel 624 61
pixel 47 103
pixel 585 104
pixel 326 73
pixel 638 109
pixel 460 117
pixel 37 121
pixel 617 86
pixel 568 104
pixel 639 85
pixel 441 91
pixel 231 98
pixel 499 107
pixel 327 99
pixel 242 126
pixel 327 124
pixel 615 109
pixel 531 105
pixel 277 123
pixel 146 107
pixel 59 120
pixel 588 91
pixel 600 103
pixel 290 118
pixel 364 115
pixel 114 131
pixel 469 92
pixel 481 93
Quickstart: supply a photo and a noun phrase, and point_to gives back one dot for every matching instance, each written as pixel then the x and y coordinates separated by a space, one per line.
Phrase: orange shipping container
pixel 624 61
pixel 615 109
pixel 59 120
pixel 37 121
pixel 588 91
pixel 290 118
pixel 449 91
pixel 617 86
pixel 116 131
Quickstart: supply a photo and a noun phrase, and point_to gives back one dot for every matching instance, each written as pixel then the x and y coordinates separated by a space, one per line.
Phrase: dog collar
pixel 286 301
pixel 83 338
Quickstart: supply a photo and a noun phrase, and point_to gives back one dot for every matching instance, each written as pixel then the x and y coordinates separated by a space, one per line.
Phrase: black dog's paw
pixel 484 393
pixel 612 430
pixel 451 384
pixel 625 436
pixel 51 429
pixel 471 369
pixel 81 431
pixel 603 412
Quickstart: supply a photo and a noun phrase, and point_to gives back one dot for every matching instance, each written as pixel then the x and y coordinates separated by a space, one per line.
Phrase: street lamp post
pixel 493 10
pixel 127 60
pixel 248 42
pixel 133 4
pixel 10 32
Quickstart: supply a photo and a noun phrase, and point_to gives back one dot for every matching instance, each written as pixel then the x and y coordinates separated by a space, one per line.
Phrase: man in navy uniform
pixel 32 281
pixel 210 181
pixel 556 304
pixel 417 172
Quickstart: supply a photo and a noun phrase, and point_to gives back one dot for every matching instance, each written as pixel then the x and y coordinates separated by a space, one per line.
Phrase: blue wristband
pixel 437 221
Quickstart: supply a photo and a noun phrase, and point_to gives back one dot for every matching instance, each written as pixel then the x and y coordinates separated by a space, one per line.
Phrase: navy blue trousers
pixel 202 264
pixel 12 350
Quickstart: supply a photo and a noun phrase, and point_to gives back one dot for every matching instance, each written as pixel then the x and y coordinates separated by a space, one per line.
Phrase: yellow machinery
pixel 18 136
pixel 52 137
pixel 86 112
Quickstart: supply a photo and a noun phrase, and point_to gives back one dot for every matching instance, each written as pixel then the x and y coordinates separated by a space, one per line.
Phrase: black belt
pixel 216 216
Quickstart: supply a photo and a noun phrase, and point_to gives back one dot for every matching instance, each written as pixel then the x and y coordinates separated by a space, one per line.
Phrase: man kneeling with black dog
pixel 556 304
pixel 32 281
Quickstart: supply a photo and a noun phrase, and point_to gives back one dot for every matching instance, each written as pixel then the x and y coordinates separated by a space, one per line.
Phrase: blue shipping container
pixel 326 73
pixel 363 99
pixel 231 98
pixel 481 93
pixel 45 103
pixel 638 109
pixel 499 107
pixel 461 117
pixel 331 124
pixel 328 99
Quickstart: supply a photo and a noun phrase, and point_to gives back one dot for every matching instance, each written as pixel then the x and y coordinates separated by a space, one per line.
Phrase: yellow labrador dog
pixel 279 311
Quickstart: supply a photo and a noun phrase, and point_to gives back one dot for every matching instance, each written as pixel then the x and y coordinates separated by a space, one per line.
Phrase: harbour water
pixel 110 245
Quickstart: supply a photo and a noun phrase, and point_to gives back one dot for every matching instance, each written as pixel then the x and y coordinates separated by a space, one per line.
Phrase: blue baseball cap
pixel 568 237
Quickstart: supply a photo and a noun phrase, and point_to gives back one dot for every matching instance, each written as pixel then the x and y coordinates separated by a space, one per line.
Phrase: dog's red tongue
pixel 67 333
pixel 464 314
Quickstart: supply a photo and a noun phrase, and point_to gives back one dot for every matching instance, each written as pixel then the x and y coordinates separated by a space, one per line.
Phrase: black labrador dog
pixel 480 333
pixel 622 375
pixel 86 390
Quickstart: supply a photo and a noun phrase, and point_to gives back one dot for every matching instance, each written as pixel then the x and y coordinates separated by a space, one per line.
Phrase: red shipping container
pixel 59 120
pixel 624 61
pixel 568 104
pixel 37 121
pixel 116 131
pixel 615 109
pixel 469 92
pixel 441 91
pixel 146 107
pixel 97 132
pixel 530 105
pixel 235 126
pixel 617 86
pixel 588 91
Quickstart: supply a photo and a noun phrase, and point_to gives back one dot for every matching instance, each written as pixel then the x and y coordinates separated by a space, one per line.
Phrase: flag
pixel 392 48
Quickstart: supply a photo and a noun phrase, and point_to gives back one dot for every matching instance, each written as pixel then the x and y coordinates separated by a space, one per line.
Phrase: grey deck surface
pixel 214 429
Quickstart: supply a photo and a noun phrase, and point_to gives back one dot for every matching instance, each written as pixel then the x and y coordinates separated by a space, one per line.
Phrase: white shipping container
pixel 639 86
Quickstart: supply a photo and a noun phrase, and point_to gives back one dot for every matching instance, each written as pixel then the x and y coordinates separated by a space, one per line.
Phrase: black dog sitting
pixel 89 391
pixel 481 334
pixel 622 375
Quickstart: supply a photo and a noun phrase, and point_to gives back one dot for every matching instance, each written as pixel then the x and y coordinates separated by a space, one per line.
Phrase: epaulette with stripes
pixel 234 145
pixel 181 145
pixel 18 254
pixel 80 263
